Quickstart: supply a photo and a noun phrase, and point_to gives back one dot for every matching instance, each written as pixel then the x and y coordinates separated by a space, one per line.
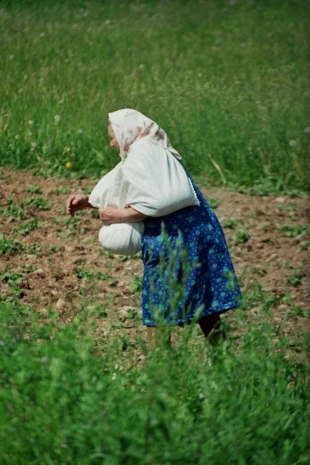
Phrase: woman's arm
pixel 77 202
pixel 110 215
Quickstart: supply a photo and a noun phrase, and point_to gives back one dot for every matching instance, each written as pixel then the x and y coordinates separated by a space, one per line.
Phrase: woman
pixel 188 273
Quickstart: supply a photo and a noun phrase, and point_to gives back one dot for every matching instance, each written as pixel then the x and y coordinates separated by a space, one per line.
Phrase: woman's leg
pixel 211 327
pixel 152 336
pixel 155 337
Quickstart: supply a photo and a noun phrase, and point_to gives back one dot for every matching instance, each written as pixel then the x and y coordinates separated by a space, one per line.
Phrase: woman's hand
pixel 76 202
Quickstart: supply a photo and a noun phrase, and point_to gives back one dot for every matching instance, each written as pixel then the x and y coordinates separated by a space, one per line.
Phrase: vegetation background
pixel 229 82
pixel 227 79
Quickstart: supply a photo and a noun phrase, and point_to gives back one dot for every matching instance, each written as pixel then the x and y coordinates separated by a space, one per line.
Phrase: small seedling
pixel 231 224
pixel 11 277
pixel 38 203
pixel 214 202
pixel 10 245
pixel 70 222
pixel 293 231
pixel 62 190
pixel 34 189
pixel 13 212
pixel 26 228
pixel 86 190
pixel 296 277
pixel 136 285
pixel 86 274
pixel 28 269
pixel 288 206
pixel 132 314
pixel 241 236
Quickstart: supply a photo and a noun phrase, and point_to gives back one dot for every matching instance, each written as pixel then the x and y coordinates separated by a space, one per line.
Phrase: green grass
pixel 228 81
pixel 62 403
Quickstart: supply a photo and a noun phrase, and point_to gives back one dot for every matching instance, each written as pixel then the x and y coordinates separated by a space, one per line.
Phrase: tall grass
pixel 227 80
pixel 62 404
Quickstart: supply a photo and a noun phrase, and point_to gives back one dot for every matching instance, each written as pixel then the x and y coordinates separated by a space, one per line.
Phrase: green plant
pixel 214 202
pixel 296 278
pixel 136 284
pixel 86 190
pixel 34 189
pixel 38 203
pixel 26 227
pixel 13 212
pixel 241 236
pixel 290 206
pixel 87 274
pixel 72 398
pixel 230 223
pixel 14 280
pixel 28 269
pixel 10 245
pixel 293 231
pixel 62 190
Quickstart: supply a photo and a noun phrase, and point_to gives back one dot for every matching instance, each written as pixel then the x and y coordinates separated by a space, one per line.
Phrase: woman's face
pixel 113 140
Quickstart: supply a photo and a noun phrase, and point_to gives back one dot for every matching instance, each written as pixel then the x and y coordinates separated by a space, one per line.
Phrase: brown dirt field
pixel 268 258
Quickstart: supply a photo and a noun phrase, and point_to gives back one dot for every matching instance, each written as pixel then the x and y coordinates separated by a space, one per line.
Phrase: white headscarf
pixel 130 126
pixel 150 177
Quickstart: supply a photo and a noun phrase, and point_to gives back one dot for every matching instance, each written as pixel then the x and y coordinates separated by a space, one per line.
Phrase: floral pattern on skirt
pixel 188 272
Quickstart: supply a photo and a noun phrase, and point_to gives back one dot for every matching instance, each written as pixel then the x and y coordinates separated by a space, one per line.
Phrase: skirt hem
pixel 153 324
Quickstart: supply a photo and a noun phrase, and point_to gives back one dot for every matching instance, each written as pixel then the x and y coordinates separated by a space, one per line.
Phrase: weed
pixel 290 206
pixel 87 274
pixel 28 269
pixel 293 231
pixel 34 189
pixel 26 227
pixel 13 212
pixel 62 190
pixel 70 222
pixel 10 245
pixel 296 278
pixel 214 202
pixel 106 253
pixel 38 203
pixel 124 258
pixel 241 236
pixel 136 285
pixel 304 245
pixel 230 223
pixel 132 314
pixel 86 190
pixel 14 280
pixel 125 341
pixel 11 277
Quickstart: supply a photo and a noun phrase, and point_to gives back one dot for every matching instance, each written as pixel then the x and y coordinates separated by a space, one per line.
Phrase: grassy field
pixel 61 404
pixel 228 81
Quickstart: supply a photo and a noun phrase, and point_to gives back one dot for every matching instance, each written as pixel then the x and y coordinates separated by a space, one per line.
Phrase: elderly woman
pixel 188 273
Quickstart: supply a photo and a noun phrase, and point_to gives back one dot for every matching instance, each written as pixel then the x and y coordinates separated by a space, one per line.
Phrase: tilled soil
pixel 65 269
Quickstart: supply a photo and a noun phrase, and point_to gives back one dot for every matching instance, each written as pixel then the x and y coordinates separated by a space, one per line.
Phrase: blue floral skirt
pixel 188 272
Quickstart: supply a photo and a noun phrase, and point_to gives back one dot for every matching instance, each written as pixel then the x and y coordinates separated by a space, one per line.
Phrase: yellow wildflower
pixel 68 164
pixel 68 149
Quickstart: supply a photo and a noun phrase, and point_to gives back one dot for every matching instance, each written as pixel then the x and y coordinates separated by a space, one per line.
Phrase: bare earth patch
pixel 63 267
